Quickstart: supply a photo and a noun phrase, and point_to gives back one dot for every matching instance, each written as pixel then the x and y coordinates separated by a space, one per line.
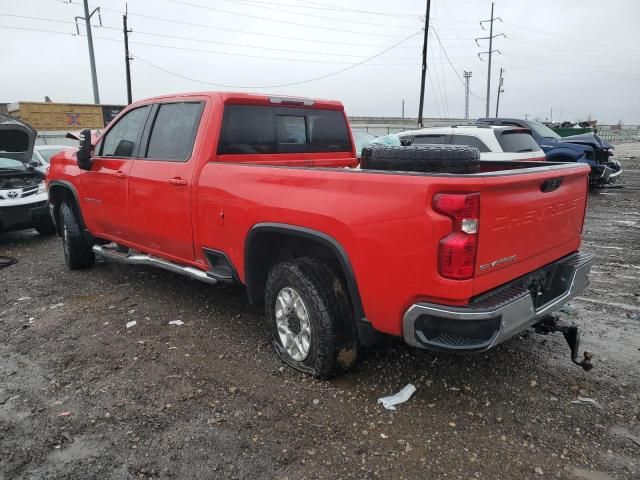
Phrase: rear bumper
pixel 500 314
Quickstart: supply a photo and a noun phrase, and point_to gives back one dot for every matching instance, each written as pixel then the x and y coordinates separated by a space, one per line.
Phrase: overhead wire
pixel 232 30
pixel 444 51
pixel 321 77
pixel 260 4
pixel 277 20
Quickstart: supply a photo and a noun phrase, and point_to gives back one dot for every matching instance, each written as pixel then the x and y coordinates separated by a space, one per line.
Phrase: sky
pixel 562 59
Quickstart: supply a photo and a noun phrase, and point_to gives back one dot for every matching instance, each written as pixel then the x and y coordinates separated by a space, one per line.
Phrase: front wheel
pixel 77 251
pixel 309 313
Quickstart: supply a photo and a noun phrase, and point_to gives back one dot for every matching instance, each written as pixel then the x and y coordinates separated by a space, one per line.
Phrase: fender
pixel 54 214
pixel 334 246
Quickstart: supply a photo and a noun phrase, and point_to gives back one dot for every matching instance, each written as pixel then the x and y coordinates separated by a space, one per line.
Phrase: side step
pixel 142 259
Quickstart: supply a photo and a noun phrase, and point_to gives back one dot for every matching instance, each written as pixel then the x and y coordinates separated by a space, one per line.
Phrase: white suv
pixel 494 142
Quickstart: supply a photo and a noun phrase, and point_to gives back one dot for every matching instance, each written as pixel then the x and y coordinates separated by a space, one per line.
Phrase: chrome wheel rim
pixel 292 322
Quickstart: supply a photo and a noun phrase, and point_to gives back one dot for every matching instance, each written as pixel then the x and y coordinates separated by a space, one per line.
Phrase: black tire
pixel 421 158
pixel 77 251
pixel 333 347
pixel 44 226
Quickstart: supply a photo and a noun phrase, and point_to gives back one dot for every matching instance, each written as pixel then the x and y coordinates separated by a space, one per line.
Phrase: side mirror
pixel 85 150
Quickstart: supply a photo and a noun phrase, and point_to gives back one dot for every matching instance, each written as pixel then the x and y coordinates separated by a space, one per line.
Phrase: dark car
pixel 586 148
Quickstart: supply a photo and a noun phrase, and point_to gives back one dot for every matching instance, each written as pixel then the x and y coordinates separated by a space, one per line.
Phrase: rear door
pixel 161 180
pixel 104 190
pixel 527 221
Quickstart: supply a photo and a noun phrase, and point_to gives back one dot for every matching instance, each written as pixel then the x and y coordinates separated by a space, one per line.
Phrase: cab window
pixel 123 139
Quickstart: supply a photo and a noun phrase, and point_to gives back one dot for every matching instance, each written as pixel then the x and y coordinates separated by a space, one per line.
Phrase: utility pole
pixel 92 60
pixel 424 63
pixel 551 115
pixel 127 58
pixel 490 52
pixel 467 76
pixel 500 90
pixel 403 108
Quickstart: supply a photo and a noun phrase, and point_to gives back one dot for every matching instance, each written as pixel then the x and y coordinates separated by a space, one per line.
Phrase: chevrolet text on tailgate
pixel 424 242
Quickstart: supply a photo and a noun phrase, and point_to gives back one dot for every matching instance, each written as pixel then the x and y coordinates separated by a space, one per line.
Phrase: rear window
pixel 251 129
pixel 430 139
pixel 517 141
pixel 469 140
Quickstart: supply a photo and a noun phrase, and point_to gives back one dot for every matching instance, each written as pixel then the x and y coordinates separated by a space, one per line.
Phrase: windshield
pixel 47 153
pixel 11 164
pixel 543 130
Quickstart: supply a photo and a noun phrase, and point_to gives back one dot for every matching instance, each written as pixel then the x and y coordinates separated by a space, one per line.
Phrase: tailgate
pixel 528 221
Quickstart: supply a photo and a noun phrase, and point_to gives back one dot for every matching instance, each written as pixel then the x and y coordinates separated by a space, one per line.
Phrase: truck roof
pixel 240 98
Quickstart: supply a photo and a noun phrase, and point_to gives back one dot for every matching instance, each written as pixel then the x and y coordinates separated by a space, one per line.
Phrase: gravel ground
pixel 83 396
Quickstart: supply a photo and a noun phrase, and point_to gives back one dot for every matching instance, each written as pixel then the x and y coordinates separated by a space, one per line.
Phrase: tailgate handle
pixel 551 184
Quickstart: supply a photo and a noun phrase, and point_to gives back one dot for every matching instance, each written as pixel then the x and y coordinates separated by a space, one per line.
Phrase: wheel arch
pixel 268 243
pixel 60 190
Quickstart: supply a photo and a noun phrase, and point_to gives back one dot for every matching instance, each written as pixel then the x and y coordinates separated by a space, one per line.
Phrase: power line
pixel 233 30
pixel 260 47
pixel 213 52
pixel 260 4
pixel 178 37
pixel 287 22
pixel 282 84
pixel 341 9
pixel 451 64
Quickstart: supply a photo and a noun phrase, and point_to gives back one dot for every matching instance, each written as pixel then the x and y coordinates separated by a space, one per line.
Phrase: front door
pixel 104 188
pixel 160 181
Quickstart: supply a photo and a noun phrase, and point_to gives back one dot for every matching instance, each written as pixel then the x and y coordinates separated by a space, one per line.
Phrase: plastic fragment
pixel 402 396
pixel 176 322
pixel 64 414
pixel 131 324
pixel 583 400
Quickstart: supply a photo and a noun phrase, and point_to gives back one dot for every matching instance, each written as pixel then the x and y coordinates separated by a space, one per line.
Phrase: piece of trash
pixel 176 322
pixel 22 299
pixel 587 400
pixel 131 324
pixel 382 435
pixel 400 397
pixel 64 414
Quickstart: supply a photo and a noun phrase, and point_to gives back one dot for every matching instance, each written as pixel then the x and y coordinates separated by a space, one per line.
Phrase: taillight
pixel 457 251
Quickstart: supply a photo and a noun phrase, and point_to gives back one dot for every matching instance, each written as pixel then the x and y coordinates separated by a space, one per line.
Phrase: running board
pixel 142 259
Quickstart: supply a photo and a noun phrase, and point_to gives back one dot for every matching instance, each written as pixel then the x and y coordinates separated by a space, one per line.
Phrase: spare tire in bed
pixel 421 158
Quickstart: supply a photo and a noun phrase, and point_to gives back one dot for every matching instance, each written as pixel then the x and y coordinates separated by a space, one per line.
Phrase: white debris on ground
pixel 402 396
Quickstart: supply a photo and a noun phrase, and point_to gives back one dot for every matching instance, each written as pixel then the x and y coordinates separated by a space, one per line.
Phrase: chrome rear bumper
pixel 500 314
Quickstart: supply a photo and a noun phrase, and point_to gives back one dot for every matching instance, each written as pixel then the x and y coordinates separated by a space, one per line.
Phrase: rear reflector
pixel 457 251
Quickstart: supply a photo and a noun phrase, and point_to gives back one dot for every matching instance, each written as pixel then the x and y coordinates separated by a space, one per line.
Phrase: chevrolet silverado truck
pixel 424 243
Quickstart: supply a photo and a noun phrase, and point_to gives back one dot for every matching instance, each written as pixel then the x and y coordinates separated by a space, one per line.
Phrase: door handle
pixel 120 174
pixel 177 181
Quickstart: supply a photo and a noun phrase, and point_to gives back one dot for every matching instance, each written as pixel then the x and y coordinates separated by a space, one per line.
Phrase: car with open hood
pixel 23 193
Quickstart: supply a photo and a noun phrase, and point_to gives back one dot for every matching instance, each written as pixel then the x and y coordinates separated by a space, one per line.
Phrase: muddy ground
pixel 82 396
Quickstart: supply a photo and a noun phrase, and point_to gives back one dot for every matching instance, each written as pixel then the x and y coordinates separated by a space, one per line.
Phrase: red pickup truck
pixel 268 192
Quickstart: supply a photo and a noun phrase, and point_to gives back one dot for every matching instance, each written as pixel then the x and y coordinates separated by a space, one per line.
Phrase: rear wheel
pixel 310 317
pixel 77 251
